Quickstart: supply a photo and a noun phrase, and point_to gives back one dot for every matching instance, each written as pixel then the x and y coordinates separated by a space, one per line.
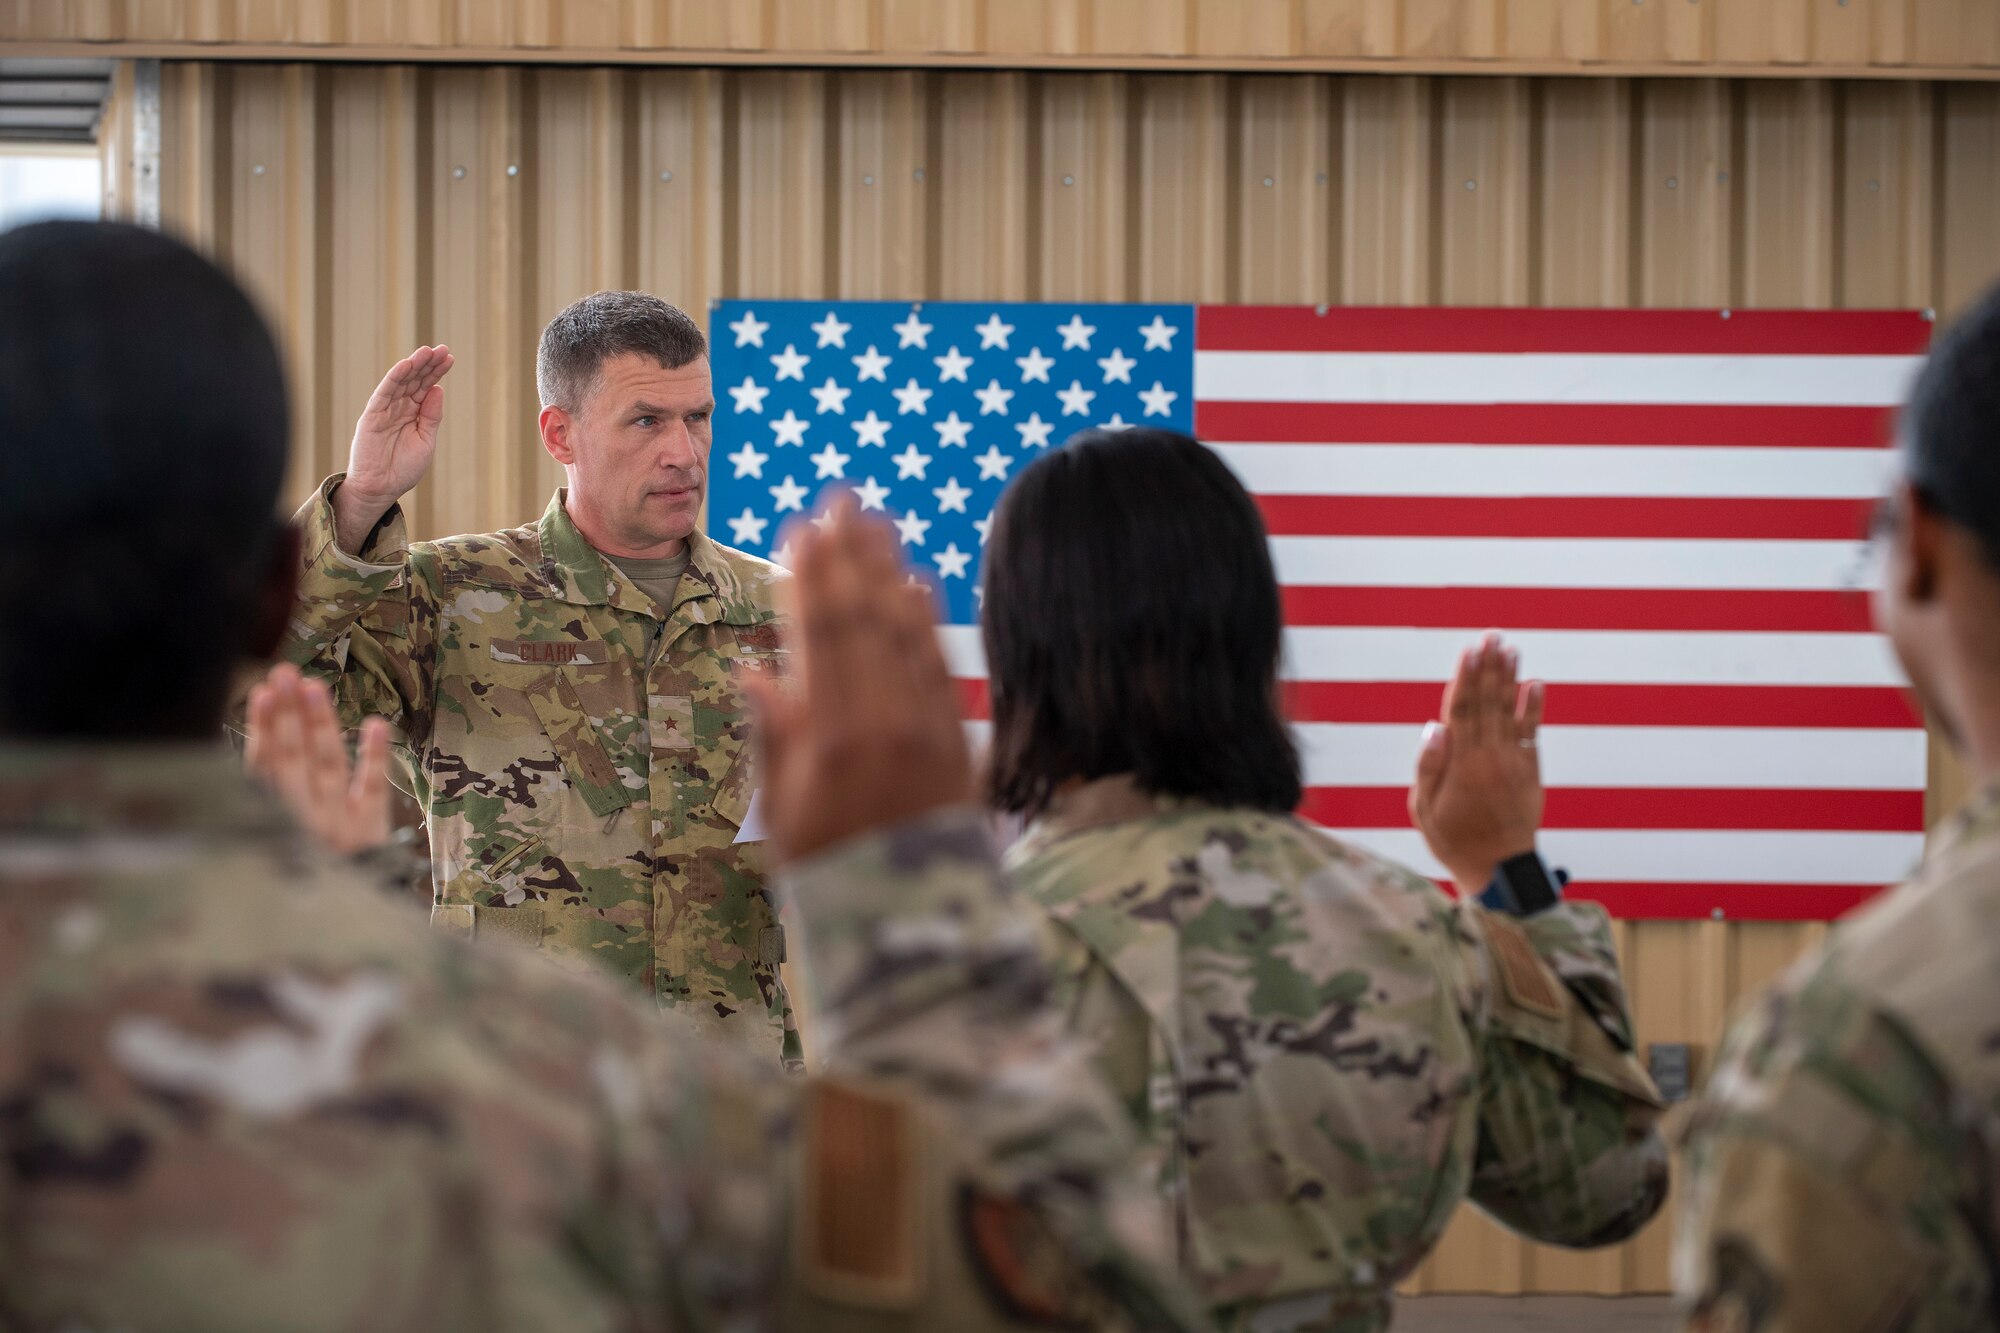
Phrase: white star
pixel 1159 335
pixel 871 493
pixel 791 364
pixel 783 555
pixel 1035 431
pixel 911 398
pixel 1159 399
pixel 1034 366
pixel 993 398
pixel 871 429
pixel 951 496
pixel 984 527
pixel 749 395
pixel 951 562
pixel 832 333
pixel 912 332
pixel 870 365
pixel 993 333
pixel 749 329
pixel 789 495
pixel 910 463
pixel 993 464
pixel 951 431
pixel 747 529
pixel 951 366
pixel 912 529
pixel 831 397
pixel 830 462
pixel 821 521
pixel 1076 333
pixel 1117 422
pixel 1117 366
pixel 749 463
pixel 979 595
pixel 790 428
pixel 1076 399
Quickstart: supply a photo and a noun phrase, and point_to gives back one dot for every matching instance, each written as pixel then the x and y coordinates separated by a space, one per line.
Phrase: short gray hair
pixel 578 342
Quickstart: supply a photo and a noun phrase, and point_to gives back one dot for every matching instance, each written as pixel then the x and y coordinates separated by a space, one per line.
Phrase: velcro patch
pixel 858 1240
pixel 1527 978
pixel 550 652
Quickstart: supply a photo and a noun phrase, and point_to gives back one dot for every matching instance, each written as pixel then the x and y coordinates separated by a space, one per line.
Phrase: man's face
pixel 637 454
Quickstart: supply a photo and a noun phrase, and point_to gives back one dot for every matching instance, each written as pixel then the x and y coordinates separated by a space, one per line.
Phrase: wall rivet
pixel 1930 315
pixel 458 172
pixel 1472 185
pixel 513 170
pixel 666 176
pixel 1069 180
pixel 867 180
pixel 1715 915
pixel 1725 314
pixel 1321 178
pixel 917 175
pixel 1268 182
pixel 1722 178
pixel 1873 186
pixel 257 170
pixel 1673 182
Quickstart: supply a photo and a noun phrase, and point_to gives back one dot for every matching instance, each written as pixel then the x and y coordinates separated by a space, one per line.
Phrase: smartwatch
pixel 1523 886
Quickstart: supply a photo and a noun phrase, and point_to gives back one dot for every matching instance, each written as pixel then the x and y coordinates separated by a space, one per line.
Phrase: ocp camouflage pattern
pixel 1843 1163
pixel 584 765
pixel 1325 1054
pixel 242 1089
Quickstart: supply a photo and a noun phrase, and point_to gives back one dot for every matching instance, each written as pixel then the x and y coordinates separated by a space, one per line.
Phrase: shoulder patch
pixel 1527 979
pixel 857 1241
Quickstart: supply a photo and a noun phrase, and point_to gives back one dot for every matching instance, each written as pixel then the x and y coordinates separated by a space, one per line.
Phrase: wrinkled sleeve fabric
pixel 1570 1151
pixel 364 623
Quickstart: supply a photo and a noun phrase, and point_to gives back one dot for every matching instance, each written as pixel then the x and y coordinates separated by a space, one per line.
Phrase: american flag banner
pixel 1665 510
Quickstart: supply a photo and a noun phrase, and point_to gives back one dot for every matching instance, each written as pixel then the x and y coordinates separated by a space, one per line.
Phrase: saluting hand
pixel 1478 794
pixel 393 443
pixel 870 734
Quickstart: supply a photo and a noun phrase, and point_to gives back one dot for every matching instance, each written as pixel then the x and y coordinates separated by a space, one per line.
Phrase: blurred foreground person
pixel 1324 1052
pixel 1843 1164
pixel 241 1090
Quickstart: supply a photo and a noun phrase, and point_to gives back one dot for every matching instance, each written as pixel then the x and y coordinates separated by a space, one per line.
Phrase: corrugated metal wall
pixel 374 208
pixel 1958 36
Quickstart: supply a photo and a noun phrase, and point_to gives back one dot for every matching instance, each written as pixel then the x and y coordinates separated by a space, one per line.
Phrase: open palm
pixel 397 432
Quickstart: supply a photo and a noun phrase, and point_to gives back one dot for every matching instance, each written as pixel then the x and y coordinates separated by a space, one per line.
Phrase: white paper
pixel 752 829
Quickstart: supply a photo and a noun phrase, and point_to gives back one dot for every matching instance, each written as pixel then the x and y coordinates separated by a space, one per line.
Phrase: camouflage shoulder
pixel 747 584
pixel 510 561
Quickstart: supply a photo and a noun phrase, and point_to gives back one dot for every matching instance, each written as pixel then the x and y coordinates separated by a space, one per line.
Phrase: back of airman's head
pixel 142 448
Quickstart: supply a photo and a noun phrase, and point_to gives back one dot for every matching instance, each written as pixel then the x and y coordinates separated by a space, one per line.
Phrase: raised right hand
pixel 393 442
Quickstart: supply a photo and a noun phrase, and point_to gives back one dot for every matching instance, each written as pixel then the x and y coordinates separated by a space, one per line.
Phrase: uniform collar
pixel 706 593
pixel 1117 799
pixel 1977 820
pixel 80 788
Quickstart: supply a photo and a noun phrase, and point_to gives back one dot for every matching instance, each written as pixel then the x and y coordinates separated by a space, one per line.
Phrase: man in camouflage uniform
pixel 1843 1163
pixel 1323 1052
pixel 564 695
pixel 239 1089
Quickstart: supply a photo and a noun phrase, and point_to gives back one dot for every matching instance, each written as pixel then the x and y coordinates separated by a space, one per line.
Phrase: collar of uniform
pixel 708 592
pixel 55 788
pixel 1117 799
pixel 1977 820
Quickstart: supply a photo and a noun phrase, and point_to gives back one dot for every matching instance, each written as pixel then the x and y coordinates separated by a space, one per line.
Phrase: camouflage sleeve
pixel 926 984
pixel 1821 1180
pixel 1569 1145
pixel 361 622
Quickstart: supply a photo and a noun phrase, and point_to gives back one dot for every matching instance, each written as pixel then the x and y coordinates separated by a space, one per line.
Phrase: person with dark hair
pixel 565 697
pixel 1843 1163
pixel 240 1089
pixel 1324 1053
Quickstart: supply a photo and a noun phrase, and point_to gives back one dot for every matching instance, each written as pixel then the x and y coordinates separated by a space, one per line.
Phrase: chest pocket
pixel 577 744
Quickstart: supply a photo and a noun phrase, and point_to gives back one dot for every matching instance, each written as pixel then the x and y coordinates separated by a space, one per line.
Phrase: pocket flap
pixel 577 744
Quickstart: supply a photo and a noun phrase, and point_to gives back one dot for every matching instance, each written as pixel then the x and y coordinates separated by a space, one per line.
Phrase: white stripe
pixel 1567 562
pixel 1542 377
pixel 1603 657
pixel 1588 469
pixel 1342 754
pixel 1720 856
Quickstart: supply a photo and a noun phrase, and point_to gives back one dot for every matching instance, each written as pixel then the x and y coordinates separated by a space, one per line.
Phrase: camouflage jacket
pixel 240 1089
pixel 1843 1163
pixel 583 765
pixel 1326 1054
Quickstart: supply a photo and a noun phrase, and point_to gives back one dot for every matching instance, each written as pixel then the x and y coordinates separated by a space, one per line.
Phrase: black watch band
pixel 1522 886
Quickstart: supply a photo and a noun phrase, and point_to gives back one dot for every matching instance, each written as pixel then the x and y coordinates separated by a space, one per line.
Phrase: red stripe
pixel 1299 328
pixel 1578 705
pixel 1770 610
pixel 1736 902
pixel 1544 423
pixel 1562 516
pixel 1414 702
pixel 1654 808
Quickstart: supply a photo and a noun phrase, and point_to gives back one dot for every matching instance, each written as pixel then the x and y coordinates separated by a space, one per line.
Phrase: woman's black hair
pixel 1133 625
pixel 1951 426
